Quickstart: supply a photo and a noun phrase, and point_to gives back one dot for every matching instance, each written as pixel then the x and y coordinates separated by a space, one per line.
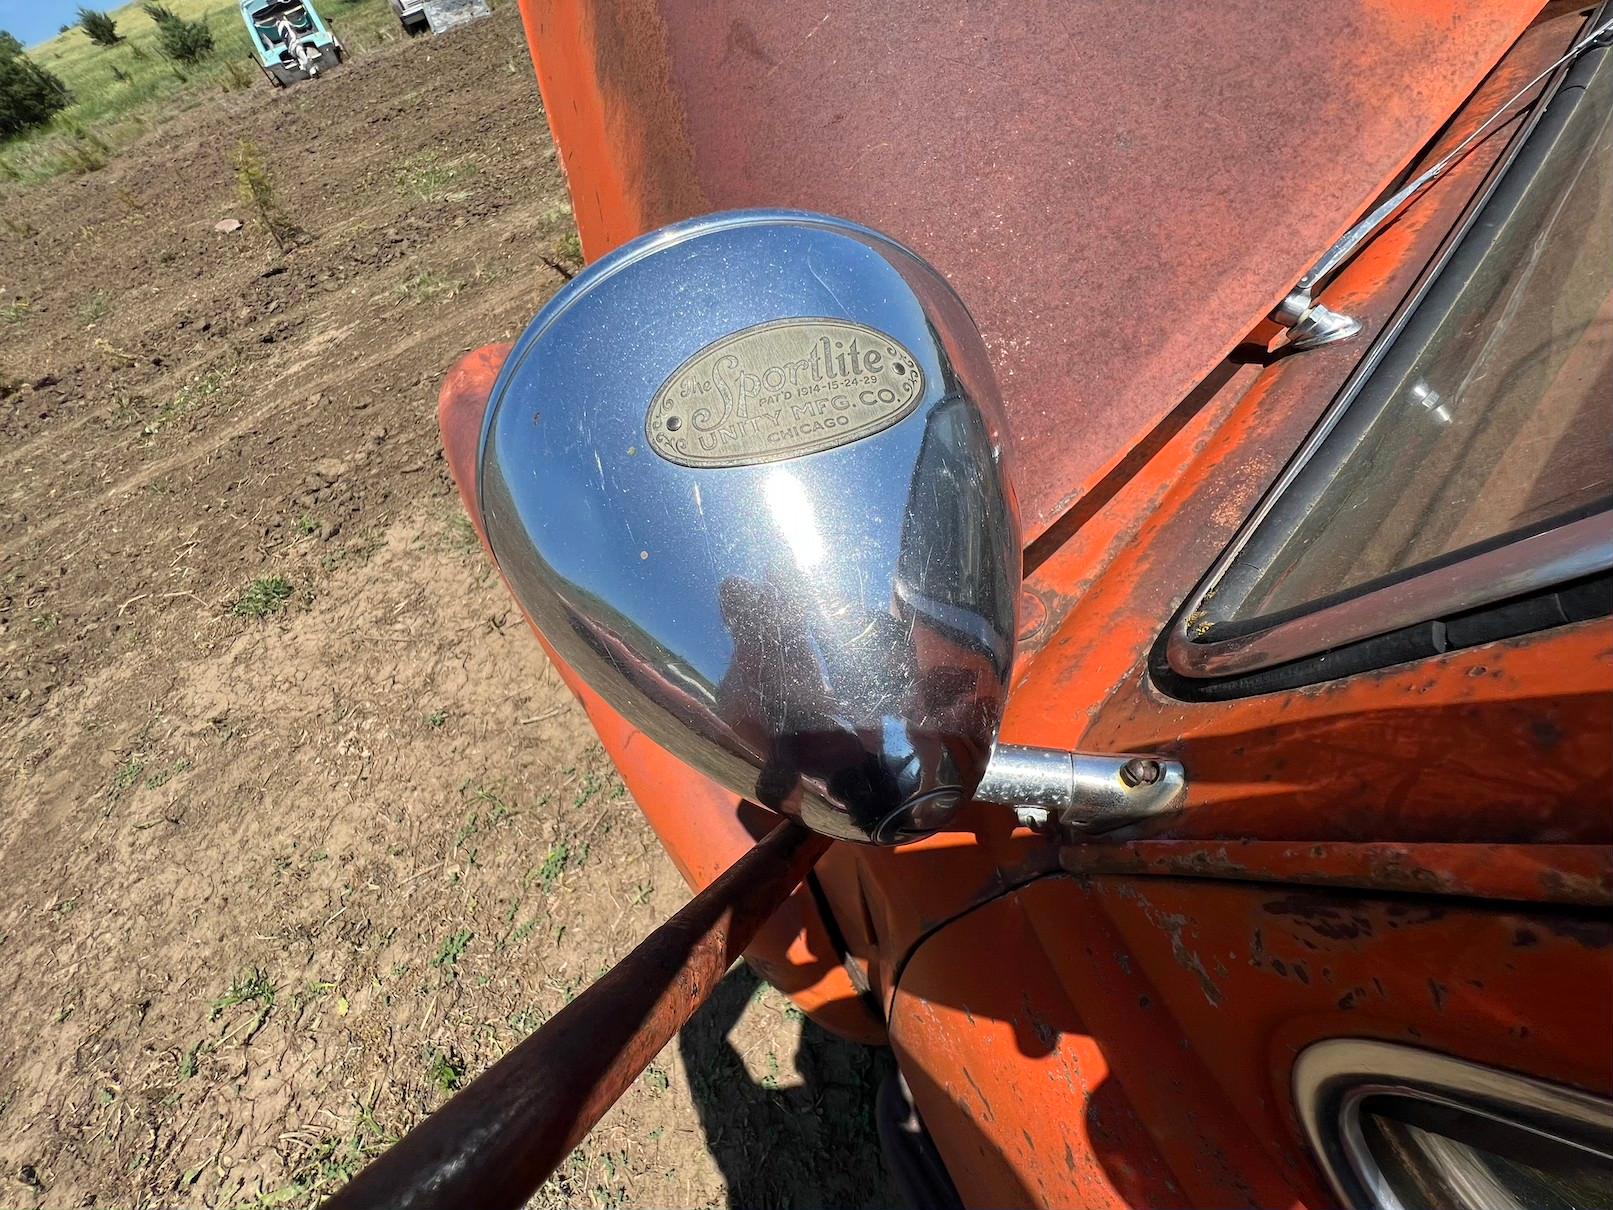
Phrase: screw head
pixel 1141 771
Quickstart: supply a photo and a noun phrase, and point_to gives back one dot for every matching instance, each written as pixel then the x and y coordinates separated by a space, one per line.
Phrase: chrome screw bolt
pixel 1140 771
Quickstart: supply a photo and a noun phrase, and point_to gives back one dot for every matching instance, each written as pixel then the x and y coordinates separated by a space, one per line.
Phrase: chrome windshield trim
pixel 1579 548
pixel 1332 1078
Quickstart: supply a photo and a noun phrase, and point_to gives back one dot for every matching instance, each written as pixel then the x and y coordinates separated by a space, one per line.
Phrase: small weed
pixel 591 785
pixel 656 1077
pixel 446 1069
pixel 524 931
pixel 527 1019
pixel 307 525
pixel 189 1063
pixel 453 949
pixel 554 865
pixel 127 775
pixel 93 309
pixel 45 621
pixel 436 719
pixel 164 775
pixel 427 177
pixel 250 987
pixel 771 1079
pixel 204 386
pixel 331 1162
pixel 265 595
pixel 465 833
pixel 430 286
pixel 315 989
pixel 462 535
pixel 498 810
pixel 256 190
pixel 15 311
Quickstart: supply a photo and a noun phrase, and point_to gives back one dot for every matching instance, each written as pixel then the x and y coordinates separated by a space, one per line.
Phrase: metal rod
pixel 498 1140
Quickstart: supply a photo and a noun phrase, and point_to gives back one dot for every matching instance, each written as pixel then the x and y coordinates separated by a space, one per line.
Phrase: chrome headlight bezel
pixel 1333 1080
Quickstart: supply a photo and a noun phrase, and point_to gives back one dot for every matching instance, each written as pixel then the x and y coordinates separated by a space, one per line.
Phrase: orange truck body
pixel 1422 853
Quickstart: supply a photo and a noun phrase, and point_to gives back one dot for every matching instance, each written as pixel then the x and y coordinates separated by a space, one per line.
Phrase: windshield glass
pixel 1490 416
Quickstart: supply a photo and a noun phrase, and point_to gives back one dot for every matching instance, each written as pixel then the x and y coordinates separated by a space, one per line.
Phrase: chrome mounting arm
pixel 1077 795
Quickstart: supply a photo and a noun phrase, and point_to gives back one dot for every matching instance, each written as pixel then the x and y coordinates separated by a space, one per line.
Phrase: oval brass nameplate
pixel 780 390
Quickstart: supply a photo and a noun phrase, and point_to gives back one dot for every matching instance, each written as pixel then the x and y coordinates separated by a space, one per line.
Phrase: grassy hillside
pixel 118 91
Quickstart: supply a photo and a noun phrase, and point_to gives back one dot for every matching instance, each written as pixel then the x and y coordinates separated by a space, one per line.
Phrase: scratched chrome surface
pixel 829 634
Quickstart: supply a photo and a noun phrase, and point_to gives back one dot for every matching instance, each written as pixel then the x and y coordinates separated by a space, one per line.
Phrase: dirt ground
pixel 300 830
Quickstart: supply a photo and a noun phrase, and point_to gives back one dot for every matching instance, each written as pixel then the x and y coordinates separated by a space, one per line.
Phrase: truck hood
pixel 1119 198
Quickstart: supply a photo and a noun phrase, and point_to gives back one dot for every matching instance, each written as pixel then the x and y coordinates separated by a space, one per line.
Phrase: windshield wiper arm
pixel 1309 323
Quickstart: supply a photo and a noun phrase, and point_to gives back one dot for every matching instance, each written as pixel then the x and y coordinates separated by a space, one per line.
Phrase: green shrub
pixel 181 40
pixel 29 94
pixel 101 29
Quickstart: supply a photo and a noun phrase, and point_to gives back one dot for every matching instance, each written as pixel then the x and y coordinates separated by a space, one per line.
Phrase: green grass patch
pixel 127 775
pixel 265 595
pixel 119 91
pixel 447 1071
pixel 453 949
pixel 250 987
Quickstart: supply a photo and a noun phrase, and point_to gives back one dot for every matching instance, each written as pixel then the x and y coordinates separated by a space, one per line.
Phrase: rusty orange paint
pixel 1568 875
pixel 1049 189
pixel 1146 1030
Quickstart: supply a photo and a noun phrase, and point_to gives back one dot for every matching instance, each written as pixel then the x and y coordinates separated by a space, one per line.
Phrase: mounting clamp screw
pixel 1141 771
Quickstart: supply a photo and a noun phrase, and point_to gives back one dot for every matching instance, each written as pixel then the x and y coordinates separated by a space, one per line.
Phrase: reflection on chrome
pixel 1431 401
pixel 794 516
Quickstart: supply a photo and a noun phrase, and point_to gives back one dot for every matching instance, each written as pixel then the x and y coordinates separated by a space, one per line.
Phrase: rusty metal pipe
pixel 501 1136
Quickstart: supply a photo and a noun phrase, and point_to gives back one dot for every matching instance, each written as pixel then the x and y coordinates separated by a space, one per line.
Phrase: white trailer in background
pixel 434 16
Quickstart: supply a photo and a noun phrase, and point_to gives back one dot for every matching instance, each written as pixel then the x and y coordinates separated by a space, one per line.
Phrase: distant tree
pixel 102 30
pixel 182 41
pixel 29 94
